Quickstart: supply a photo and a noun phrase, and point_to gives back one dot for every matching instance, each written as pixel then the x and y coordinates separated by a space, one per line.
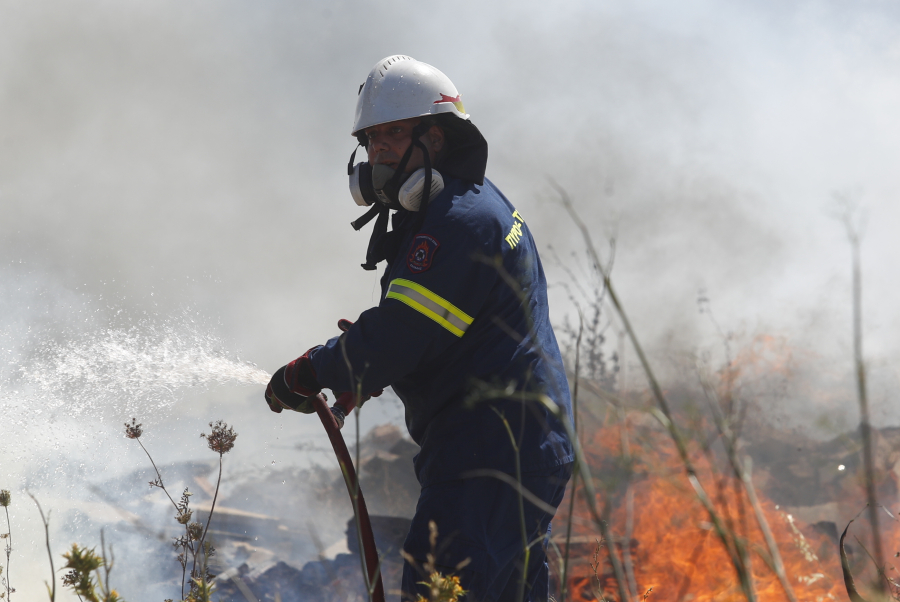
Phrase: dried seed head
pixel 5 498
pixel 221 439
pixel 195 530
pixel 71 578
pixel 185 517
pixel 133 430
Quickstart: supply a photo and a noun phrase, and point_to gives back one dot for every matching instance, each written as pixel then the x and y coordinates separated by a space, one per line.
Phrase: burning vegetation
pixel 663 540
pixel 669 507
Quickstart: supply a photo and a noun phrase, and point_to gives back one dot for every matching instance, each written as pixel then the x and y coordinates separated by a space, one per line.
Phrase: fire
pixel 676 555
pixel 764 355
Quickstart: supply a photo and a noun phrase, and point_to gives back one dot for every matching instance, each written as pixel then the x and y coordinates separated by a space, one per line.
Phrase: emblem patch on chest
pixel 421 253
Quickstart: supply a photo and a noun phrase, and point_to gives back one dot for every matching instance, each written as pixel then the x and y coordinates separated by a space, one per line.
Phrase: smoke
pixel 196 152
pixel 157 157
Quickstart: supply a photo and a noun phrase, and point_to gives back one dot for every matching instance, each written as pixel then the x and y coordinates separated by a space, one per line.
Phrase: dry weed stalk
pixel 193 541
pixel 854 229
pixel 5 500
pixel 727 423
pixel 564 569
pixel 372 577
pixel 853 220
pixel 51 591
pixel 595 568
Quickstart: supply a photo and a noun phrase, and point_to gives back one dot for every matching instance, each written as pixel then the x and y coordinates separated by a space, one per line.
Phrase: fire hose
pixel 333 419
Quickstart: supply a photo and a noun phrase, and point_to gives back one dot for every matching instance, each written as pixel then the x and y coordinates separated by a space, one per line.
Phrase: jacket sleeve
pixel 422 313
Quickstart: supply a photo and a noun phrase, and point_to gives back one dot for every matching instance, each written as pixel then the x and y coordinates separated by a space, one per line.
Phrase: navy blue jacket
pixel 462 332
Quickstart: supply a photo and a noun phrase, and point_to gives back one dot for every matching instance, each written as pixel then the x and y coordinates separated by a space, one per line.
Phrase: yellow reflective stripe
pixel 427 303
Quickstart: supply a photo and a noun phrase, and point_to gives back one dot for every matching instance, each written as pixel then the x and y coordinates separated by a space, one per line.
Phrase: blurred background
pixel 173 195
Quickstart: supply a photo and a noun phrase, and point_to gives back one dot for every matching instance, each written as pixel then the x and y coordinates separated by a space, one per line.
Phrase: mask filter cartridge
pixel 370 185
pixel 361 188
pixel 412 190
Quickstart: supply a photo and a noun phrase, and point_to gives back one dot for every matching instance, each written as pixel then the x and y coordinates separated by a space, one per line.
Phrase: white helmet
pixel 400 87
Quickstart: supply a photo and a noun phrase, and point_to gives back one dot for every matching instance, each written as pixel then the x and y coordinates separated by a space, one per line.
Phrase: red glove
pixel 300 376
pixel 292 386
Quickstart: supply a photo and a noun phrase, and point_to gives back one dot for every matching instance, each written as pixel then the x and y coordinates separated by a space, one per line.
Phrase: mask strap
pixel 350 164
pixel 374 252
pixel 380 226
pixel 426 189
pixel 397 178
pixel 367 217
pixel 417 132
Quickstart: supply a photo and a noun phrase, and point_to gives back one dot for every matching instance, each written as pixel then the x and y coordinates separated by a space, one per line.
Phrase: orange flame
pixel 676 554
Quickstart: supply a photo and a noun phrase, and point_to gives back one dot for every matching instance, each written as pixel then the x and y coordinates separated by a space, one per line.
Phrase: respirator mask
pixel 382 188
pixel 392 188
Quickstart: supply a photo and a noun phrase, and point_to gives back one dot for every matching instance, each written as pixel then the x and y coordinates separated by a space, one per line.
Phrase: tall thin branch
pixel 523 532
pixel 743 472
pixel 766 530
pixel 212 508
pixel 853 235
pixel 629 506
pixel 158 475
pixel 9 588
pixel 565 565
pixel 618 571
pixel 46 522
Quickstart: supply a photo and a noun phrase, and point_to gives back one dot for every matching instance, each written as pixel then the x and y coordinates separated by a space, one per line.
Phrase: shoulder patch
pixel 421 253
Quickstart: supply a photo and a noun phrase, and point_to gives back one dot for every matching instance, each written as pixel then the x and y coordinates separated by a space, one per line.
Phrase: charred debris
pixel 288 533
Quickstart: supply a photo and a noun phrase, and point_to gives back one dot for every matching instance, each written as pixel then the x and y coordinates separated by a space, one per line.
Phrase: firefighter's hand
pixel 293 386
pixel 348 400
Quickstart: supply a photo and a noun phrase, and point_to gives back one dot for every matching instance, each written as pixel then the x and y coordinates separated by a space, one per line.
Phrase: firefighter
pixel 461 333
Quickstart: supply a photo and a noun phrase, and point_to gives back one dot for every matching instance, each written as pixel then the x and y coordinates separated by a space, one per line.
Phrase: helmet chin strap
pixel 400 174
pixel 382 241
pixel 426 189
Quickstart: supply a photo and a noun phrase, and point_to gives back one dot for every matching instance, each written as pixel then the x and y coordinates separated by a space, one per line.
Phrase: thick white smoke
pixel 169 155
